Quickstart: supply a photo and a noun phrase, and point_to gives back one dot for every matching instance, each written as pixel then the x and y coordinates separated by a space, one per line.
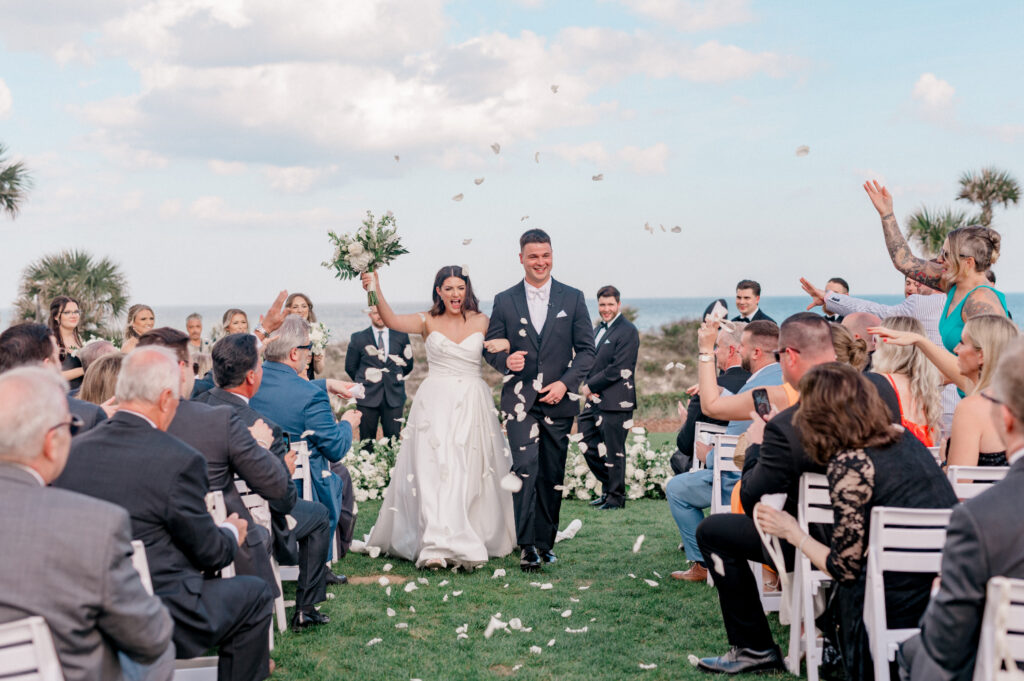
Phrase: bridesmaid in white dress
pixel 445 505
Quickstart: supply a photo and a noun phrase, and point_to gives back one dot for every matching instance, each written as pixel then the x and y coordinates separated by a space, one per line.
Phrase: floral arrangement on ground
pixel 647 469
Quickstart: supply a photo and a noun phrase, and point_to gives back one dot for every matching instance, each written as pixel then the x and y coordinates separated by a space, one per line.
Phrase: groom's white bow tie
pixel 537 295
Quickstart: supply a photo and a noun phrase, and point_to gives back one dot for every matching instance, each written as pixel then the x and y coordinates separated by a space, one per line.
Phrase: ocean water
pixel 344 319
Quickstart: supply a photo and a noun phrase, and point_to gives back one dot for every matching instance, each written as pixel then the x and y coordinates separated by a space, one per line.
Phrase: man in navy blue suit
pixel 299 406
pixel 545 322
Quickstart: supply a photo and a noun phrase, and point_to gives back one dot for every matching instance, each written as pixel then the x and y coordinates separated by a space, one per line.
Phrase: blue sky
pixel 209 145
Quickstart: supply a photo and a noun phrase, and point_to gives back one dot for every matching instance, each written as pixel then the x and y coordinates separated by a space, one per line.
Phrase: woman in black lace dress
pixel 845 425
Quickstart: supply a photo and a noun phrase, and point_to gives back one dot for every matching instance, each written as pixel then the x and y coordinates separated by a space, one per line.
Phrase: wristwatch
pixel 260 330
pixel 706 358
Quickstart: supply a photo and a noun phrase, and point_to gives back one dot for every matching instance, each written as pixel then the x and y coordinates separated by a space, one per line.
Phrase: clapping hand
pixel 262 433
pixel 497 345
pixel 275 315
pixel 707 334
pixel 816 294
pixel 880 197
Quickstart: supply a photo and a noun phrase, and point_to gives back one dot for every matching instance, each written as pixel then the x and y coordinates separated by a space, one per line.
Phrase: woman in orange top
pixel 915 380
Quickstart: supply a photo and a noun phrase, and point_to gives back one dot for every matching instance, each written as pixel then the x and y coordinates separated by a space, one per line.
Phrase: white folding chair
pixel 27 652
pixel 901 540
pixel 814 506
pixel 723 449
pixel 970 481
pixel 259 509
pixel 936 454
pixel 302 474
pixel 704 432
pixel 218 510
pixel 141 565
pixel 1001 646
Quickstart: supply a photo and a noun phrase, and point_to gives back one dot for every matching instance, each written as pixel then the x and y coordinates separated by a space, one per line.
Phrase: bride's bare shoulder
pixel 477 321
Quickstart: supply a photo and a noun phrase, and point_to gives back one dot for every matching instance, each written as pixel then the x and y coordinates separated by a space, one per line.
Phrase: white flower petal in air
pixel 803 150
pixel 396 158
pixel 628 424
pixel 536 650
pixel 522 332
pixel 373 375
pixel 466 242
pixel 680 366
pixel 573 396
pixel 517 388
pixel 407 351
pixel 651 582
pixel 511 483
pixel 496 148
pixel 507 377
pixel 520 416
pixel 676 230
pixel 625 405
pixel 625 373
pixel 554 89
pixel 391 612
pixel 638 543
pixel 537 384
pixel 583 447
pixel 639 430
pixel 457 197
pixel 478 181
pixel 306 433
pixel 373 642
pixel 410 587
pixel 602 449
pixel 567 613
pixel 668 367
pixel 656 574
pixel 534 431
pixel 650 666
pixel 462 636
pixel 494 625
pixel 598 177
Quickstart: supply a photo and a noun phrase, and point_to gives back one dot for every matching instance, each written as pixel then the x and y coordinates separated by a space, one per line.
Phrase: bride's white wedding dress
pixel 445 500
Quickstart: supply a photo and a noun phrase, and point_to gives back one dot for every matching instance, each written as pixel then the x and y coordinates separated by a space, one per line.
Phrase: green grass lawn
pixel 628 621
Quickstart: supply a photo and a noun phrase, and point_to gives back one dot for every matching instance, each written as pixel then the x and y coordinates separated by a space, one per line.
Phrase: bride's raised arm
pixel 406 323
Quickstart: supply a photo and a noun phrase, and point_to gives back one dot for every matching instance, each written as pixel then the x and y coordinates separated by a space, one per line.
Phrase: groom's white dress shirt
pixel 537 302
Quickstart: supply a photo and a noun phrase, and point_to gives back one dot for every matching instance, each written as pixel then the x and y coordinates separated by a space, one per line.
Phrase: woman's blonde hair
pixel 101 378
pixel 975 241
pixel 849 350
pixel 989 334
pixel 924 377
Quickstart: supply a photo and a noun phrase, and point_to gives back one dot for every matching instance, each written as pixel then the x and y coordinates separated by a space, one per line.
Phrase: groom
pixel 548 327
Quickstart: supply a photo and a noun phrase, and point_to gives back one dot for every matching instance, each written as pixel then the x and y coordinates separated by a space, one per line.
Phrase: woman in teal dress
pixel 959 271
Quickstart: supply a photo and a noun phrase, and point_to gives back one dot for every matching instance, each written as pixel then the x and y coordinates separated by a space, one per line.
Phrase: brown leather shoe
pixel 696 573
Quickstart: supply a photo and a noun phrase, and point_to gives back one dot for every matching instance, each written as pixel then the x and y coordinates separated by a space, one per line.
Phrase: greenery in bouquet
pixel 319 336
pixel 373 245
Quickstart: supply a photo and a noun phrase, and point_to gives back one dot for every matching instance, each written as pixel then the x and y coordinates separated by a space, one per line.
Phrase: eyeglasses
pixel 781 351
pixel 74 424
pixel 944 255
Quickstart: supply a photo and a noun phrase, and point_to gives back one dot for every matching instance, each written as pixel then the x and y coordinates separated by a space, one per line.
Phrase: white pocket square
pixel 561 314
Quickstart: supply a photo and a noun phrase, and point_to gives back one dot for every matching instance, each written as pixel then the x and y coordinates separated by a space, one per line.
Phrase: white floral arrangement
pixel 647 469
pixel 319 336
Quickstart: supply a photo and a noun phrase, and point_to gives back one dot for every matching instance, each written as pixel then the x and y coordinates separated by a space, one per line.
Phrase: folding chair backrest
pixel 701 432
pixel 970 481
pixel 258 507
pixel 1002 631
pixel 27 652
pixel 219 512
pixel 936 454
pixel 723 449
pixel 141 565
pixel 302 473
pixel 908 539
pixel 815 503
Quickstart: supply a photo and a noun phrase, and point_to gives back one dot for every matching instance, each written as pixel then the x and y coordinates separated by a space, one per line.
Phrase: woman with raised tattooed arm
pixel 959 271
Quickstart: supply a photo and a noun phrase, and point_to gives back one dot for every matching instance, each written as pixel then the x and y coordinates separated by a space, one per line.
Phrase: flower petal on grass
pixel 536 650
pixel 648 666
pixel 373 642
pixel 402 625
pixel 567 613
pixel 391 612
pixel 499 572
pixel 638 543
pixel 576 631
pixel 410 587
pixel 651 582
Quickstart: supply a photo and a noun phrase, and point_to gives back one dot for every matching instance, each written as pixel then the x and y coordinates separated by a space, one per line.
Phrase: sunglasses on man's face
pixel 307 346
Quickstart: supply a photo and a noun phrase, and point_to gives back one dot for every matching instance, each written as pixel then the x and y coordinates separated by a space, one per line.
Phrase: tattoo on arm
pixel 977 305
pixel 918 269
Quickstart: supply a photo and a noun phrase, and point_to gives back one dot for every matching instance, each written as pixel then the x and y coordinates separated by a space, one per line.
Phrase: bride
pixel 445 506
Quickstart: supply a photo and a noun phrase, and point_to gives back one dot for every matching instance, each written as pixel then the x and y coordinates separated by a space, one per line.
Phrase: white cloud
pixel 591 152
pixel 649 161
pixel 693 16
pixel 934 93
pixel 73 52
pixel 170 208
pixel 226 167
pixel 295 179
pixel 6 101
pixel 215 210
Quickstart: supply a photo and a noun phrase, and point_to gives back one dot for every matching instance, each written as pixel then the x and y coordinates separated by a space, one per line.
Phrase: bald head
pixel 858 323
pixel 32 402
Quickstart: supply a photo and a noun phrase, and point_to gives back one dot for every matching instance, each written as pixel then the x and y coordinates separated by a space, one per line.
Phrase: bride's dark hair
pixel 469 303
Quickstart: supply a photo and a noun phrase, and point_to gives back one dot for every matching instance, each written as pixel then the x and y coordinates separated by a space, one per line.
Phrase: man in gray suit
pixel 66 556
pixel 984 540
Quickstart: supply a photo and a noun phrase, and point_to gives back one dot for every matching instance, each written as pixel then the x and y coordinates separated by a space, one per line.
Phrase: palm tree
pixel 987 188
pixel 99 286
pixel 15 181
pixel 930 227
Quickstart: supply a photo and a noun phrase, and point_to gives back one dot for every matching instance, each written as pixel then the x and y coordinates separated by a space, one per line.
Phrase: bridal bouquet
pixel 319 335
pixel 373 245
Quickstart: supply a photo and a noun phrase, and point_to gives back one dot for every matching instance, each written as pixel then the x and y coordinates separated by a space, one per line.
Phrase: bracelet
pixel 800 546
pixel 886 217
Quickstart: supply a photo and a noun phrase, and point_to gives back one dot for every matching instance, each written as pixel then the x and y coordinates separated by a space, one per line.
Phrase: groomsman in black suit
pixel 131 461
pixel 385 399
pixel 545 322
pixel 748 299
pixel 611 397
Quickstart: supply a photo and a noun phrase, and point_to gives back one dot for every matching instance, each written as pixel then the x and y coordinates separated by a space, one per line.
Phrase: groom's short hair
pixel 533 236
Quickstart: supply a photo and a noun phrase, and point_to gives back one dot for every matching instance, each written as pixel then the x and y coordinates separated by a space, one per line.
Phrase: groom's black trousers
pixel 540 463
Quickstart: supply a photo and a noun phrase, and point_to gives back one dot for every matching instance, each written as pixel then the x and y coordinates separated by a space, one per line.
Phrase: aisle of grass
pixel 628 621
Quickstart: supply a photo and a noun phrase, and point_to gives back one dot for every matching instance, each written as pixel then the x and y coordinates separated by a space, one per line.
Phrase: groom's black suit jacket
pixel 564 350
pixel 619 347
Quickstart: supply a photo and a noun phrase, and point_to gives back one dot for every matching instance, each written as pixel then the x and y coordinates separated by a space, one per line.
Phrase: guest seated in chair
pixel 131 461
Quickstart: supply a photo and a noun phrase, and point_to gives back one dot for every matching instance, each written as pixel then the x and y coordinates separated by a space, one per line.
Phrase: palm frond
pixel 929 228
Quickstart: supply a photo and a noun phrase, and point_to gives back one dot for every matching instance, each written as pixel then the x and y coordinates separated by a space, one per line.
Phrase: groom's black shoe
pixel 529 560
pixel 547 555
pixel 600 500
